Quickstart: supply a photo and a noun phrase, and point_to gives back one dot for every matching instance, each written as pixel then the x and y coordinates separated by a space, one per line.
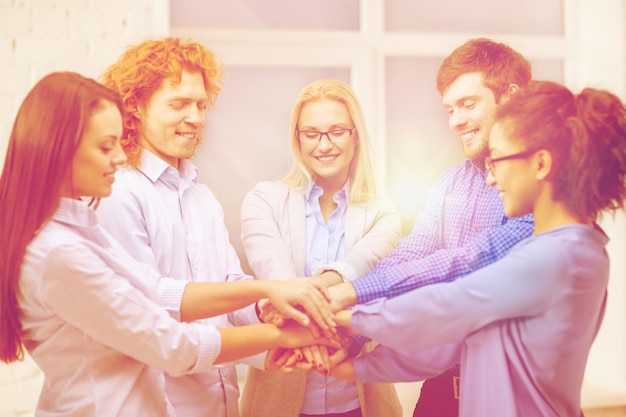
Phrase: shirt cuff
pixel 209 348
pixel 368 288
pixel 347 272
pixel 170 293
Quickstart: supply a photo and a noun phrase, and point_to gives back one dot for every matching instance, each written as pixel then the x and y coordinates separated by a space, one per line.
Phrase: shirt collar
pixel 315 191
pixel 153 167
pixel 470 164
pixel 75 212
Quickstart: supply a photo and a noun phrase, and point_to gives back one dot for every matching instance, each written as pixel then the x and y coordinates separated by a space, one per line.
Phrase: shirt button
pixel 171 172
pixel 321 385
pixel 475 229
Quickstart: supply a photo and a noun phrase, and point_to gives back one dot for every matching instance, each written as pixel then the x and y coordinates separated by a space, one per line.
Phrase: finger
pixel 291 360
pixel 325 359
pixel 305 366
pixel 284 358
pixel 308 354
pixel 314 329
pixel 320 312
pixel 279 320
pixel 317 357
pixel 298 354
pixel 337 357
pixel 322 288
pixel 297 315
pixel 271 357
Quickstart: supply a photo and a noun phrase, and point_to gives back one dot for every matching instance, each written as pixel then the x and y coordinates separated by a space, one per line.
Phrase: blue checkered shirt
pixel 461 228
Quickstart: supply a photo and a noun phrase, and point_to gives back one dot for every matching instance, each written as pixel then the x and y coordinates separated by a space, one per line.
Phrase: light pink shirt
pixel 164 217
pixel 92 324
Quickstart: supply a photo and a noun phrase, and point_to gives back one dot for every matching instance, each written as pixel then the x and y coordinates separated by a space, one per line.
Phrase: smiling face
pixel 98 154
pixel 174 117
pixel 329 160
pixel 515 179
pixel 471 106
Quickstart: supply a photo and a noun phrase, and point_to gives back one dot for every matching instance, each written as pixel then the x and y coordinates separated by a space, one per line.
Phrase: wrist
pixel 346 294
pixel 330 277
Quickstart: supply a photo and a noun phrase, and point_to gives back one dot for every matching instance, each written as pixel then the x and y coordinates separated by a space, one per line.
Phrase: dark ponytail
pixel 586 135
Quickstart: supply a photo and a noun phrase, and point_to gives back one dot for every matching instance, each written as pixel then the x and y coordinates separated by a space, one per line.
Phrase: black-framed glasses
pixel 335 135
pixel 490 163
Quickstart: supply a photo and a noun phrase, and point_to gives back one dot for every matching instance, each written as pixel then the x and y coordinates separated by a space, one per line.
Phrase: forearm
pixel 203 299
pixel 243 341
pixel 443 265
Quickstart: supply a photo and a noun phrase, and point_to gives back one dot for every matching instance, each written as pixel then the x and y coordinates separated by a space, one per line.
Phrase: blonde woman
pixel 323 220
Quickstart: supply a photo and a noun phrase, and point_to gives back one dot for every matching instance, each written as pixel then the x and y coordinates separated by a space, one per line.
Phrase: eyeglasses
pixel 490 163
pixel 335 135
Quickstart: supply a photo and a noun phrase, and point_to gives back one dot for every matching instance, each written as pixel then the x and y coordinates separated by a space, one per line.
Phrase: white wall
pixel 41 36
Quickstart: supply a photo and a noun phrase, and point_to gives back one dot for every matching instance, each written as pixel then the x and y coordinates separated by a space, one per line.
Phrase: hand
pixel 342 319
pixel 316 358
pixel 294 335
pixel 282 359
pixel 289 297
pixel 344 370
pixel 269 314
pixel 341 296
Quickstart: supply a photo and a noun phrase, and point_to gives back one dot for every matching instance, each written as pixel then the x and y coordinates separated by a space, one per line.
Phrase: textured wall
pixel 41 36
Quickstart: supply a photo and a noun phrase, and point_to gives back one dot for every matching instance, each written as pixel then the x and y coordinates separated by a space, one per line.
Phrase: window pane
pixel 531 17
pixel 266 14
pixel 246 134
pixel 420 145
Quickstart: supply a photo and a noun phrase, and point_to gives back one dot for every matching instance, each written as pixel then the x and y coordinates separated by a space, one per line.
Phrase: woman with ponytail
pixel 521 327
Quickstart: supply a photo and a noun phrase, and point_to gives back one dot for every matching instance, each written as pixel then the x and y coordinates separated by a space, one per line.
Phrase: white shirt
pixel 92 324
pixel 166 218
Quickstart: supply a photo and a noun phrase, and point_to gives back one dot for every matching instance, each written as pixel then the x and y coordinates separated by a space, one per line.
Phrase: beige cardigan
pixel 273 235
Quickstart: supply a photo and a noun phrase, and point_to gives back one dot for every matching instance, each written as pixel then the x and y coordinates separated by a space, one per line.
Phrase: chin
pixel 475 151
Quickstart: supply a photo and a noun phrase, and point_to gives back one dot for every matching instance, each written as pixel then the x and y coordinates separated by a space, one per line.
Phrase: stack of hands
pixel 306 303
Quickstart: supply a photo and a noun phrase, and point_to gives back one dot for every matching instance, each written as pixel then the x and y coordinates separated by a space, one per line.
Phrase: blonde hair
pixel 361 174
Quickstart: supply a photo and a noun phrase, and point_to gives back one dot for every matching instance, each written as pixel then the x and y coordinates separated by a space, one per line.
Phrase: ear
pixel 543 161
pixel 512 89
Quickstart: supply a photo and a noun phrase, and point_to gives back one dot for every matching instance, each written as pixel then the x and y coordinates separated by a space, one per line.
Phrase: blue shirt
pixel 461 228
pixel 325 244
pixel 521 327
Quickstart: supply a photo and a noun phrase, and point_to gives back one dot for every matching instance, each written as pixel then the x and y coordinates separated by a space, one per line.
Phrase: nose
pixel 195 116
pixel 457 119
pixel 324 143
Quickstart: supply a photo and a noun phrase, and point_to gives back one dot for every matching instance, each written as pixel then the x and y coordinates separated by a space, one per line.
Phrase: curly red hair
pixel 140 71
